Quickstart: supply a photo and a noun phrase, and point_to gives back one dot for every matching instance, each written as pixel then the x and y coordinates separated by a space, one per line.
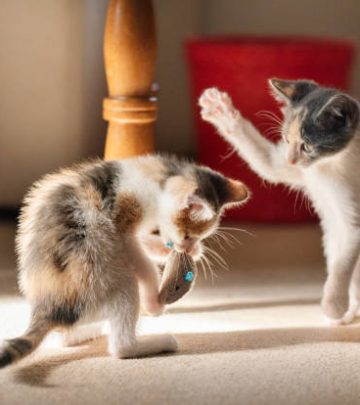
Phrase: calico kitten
pixel 319 153
pixel 85 239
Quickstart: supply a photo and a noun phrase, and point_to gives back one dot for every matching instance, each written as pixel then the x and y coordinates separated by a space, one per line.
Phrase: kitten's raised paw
pixel 217 108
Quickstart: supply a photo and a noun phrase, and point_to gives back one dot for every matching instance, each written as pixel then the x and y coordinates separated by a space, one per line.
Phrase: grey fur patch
pixel 6 358
pixel 302 89
pixel 20 345
pixel 174 166
pixel 69 218
pixel 65 314
pixel 59 260
pixel 211 185
pixel 104 177
pixel 330 121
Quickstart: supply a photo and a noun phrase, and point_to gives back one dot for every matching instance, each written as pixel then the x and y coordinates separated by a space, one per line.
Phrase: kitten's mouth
pixel 195 251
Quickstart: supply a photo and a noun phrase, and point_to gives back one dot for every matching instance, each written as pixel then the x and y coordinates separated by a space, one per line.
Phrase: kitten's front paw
pixel 217 108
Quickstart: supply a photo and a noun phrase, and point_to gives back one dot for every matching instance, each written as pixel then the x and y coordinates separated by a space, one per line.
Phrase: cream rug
pixel 253 336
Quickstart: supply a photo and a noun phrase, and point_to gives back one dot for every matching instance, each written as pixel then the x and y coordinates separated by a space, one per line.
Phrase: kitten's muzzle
pixel 191 248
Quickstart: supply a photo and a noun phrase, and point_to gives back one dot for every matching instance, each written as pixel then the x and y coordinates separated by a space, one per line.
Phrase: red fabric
pixel 242 67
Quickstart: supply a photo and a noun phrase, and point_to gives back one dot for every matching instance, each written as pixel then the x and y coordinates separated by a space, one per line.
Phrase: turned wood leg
pixel 130 56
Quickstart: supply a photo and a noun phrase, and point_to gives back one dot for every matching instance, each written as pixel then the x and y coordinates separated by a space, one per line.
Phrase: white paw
pixel 349 317
pixel 217 108
pixel 345 320
pixel 333 322
pixel 144 346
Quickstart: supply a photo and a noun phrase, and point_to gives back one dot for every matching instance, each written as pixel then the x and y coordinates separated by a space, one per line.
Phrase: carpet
pixel 253 335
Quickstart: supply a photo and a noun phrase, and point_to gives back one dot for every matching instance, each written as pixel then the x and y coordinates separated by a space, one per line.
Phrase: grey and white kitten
pixel 88 239
pixel 319 153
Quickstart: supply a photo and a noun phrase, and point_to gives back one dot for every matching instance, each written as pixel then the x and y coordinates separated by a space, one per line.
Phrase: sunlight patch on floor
pixel 15 313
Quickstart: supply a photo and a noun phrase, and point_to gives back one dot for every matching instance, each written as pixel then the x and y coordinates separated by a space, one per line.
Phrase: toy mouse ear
pixel 291 90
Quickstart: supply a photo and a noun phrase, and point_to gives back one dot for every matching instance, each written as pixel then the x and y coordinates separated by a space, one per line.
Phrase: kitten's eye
pixel 187 237
pixel 155 232
pixel 305 148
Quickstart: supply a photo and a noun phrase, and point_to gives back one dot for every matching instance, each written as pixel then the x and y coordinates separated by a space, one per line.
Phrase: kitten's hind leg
pixel 354 293
pixel 342 255
pixel 83 333
pixel 123 316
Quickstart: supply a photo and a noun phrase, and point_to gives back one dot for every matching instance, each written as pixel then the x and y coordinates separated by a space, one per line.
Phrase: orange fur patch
pixel 129 212
pixel 186 224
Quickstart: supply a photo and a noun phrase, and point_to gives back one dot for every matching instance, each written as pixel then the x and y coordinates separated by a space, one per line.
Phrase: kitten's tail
pixel 15 349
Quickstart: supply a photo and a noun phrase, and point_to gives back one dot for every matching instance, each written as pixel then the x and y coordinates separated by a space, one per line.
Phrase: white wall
pixel 51 77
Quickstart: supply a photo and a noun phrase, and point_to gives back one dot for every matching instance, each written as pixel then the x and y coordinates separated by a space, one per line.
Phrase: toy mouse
pixel 178 277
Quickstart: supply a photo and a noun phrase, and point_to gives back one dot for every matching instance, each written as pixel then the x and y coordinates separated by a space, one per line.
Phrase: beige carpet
pixel 253 336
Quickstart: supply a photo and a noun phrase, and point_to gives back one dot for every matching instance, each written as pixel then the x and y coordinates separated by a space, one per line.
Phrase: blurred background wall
pixel 52 79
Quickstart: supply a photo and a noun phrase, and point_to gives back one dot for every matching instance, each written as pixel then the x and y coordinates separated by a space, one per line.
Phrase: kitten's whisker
pixel 218 241
pixel 230 236
pixel 269 114
pixel 203 269
pixel 216 255
pixel 218 264
pixel 230 228
pixel 209 264
pixel 231 152
pixel 225 238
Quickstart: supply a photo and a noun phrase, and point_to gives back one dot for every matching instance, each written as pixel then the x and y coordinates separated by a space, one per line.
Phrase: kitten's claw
pixel 217 108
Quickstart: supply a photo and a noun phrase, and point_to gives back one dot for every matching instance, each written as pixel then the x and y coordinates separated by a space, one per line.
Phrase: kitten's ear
pixel 236 192
pixel 339 112
pixel 198 209
pixel 291 91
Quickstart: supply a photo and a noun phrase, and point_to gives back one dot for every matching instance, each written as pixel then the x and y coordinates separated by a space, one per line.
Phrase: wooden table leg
pixel 130 57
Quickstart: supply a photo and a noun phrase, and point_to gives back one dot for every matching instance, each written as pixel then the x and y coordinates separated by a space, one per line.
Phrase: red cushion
pixel 242 66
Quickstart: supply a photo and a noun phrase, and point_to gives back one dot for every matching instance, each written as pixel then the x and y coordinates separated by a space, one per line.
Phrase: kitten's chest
pixel 330 194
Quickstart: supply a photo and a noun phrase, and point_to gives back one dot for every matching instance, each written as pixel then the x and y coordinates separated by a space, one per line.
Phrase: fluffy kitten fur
pixel 319 154
pixel 85 238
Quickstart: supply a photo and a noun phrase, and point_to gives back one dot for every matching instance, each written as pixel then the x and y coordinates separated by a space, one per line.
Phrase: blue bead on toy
pixel 169 244
pixel 189 276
